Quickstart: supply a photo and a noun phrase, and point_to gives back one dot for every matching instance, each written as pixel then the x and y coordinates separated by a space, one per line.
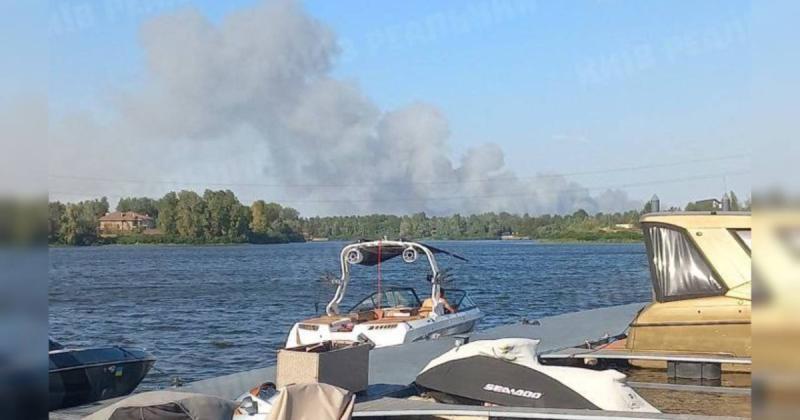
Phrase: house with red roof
pixel 126 221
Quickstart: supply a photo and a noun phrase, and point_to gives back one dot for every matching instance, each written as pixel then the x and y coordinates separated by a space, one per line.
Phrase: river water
pixel 205 311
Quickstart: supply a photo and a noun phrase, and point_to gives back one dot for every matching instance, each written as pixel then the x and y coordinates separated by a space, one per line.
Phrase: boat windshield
pixel 390 298
pixel 459 299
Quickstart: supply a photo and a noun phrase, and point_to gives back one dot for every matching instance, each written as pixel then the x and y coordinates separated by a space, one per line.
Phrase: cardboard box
pixel 341 363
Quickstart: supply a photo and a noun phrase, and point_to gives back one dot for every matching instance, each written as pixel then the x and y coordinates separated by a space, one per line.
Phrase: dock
pixel 393 369
pixel 585 353
pixel 395 407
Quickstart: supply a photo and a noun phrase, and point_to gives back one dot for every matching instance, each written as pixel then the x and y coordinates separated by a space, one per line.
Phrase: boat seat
pixel 426 308
pixel 364 316
pixel 400 312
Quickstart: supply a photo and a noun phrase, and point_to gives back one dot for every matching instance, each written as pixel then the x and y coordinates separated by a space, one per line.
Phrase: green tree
pixel 55 219
pixel 143 205
pixel 225 216
pixel 79 223
pixel 190 218
pixel 735 206
pixel 272 212
pixel 580 215
pixel 240 224
pixel 406 228
pixel 265 214
pixel 258 222
pixel 168 213
pixel 288 213
pixel 219 206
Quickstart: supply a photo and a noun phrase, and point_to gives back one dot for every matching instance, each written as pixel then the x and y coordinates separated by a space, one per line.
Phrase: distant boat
pixel 319 239
pixel 513 237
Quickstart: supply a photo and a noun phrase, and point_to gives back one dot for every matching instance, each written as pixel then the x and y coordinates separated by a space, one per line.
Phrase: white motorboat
pixel 393 315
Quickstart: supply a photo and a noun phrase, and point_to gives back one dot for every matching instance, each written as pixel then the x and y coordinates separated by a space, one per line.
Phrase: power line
pixel 465 181
pixel 520 194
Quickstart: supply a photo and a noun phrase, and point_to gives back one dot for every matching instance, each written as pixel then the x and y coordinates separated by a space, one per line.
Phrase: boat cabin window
pixel 678 269
pixel 391 298
pixel 745 238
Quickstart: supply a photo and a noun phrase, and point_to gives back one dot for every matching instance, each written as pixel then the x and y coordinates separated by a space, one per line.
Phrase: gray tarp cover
pixel 679 269
pixel 312 402
pixel 167 405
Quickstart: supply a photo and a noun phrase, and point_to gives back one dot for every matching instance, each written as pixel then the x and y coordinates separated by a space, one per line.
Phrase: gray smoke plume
pixel 252 98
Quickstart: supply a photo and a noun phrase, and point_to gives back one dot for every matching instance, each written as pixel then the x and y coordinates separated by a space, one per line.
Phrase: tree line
pixel 706 205
pixel 181 217
pixel 577 226
pixel 219 217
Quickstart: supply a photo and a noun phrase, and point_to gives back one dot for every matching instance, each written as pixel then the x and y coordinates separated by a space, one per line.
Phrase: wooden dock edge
pixel 394 407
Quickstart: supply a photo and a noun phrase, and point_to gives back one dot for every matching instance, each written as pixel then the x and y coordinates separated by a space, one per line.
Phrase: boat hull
pixel 717 325
pixel 390 334
pixel 461 324
pixel 80 377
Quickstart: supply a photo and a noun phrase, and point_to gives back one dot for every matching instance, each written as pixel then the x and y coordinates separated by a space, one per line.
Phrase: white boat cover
pixel 167 405
pixel 313 401
pixel 605 389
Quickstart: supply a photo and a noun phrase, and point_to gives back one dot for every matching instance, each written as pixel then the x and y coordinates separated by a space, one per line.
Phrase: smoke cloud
pixel 252 98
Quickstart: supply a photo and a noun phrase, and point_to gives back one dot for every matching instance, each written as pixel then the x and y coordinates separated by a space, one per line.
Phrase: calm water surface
pixel 205 311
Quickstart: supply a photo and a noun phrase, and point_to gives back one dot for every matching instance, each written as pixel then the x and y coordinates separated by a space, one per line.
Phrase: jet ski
pixel 81 376
pixel 507 372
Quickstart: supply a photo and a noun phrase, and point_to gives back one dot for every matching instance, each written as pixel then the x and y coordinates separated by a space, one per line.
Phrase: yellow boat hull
pixel 718 325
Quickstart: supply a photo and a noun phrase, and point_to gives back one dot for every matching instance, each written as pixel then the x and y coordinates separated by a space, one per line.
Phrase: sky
pixel 599 103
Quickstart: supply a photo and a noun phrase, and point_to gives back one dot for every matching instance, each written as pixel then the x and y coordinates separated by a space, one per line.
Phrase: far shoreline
pixel 544 241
